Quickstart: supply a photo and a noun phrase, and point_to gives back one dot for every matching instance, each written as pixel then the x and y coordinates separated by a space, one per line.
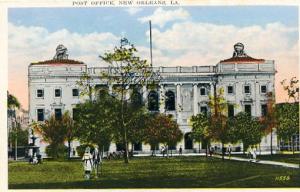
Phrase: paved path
pixel 265 162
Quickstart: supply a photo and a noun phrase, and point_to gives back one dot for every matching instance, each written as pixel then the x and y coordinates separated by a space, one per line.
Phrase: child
pixel 87 163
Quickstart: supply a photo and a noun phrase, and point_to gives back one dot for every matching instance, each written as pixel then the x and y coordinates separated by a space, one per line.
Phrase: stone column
pixel 178 97
pixel 162 99
pixel 195 96
pixel 145 94
pixel 127 94
pixel 110 89
pixel 178 102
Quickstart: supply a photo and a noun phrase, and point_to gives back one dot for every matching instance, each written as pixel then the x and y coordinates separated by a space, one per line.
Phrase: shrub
pixel 57 151
pixel 80 149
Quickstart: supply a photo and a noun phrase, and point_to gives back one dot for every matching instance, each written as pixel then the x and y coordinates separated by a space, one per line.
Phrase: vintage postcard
pixel 150 94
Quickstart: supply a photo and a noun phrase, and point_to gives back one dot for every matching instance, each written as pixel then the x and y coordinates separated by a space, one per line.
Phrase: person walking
pixel 229 151
pixel 96 161
pixel 87 163
pixel 250 153
pixel 163 151
pixel 254 154
pixel 180 150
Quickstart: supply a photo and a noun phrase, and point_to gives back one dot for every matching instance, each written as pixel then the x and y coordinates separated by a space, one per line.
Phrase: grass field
pixel 179 172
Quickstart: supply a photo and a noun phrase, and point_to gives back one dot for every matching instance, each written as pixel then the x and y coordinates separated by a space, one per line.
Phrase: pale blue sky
pixel 116 20
pixel 182 36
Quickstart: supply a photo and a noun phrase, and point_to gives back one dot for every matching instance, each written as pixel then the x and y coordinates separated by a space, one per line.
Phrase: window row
pixel 230 110
pixel 247 89
pixel 57 93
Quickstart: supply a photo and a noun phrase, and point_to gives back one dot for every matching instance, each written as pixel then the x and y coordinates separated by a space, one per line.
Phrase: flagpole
pixel 150 43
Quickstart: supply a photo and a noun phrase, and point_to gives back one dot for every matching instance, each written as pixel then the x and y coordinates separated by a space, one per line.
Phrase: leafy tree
pixel 201 131
pixel 12 101
pixel 54 133
pixel 126 69
pixel 287 115
pixel 96 119
pixel 247 129
pixel 269 120
pixel 161 128
pixel 68 124
pixel 218 120
pixel 292 88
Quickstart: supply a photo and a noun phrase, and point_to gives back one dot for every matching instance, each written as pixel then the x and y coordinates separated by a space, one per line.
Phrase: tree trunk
pixel 293 146
pixel 69 149
pixel 271 141
pixel 16 149
pixel 206 150
pixel 126 159
pixel 223 151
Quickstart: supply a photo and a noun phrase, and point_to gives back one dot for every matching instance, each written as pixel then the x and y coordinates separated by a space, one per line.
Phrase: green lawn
pixel 179 172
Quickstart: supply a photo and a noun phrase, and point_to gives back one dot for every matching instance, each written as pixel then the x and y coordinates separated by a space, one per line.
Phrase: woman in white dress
pixel 87 163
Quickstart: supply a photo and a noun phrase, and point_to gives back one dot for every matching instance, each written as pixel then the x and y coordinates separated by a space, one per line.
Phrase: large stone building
pixel 246 80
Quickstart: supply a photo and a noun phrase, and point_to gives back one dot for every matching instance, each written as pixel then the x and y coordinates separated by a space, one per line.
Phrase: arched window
pixel 136 98
pixel 170 101
pixel 153 101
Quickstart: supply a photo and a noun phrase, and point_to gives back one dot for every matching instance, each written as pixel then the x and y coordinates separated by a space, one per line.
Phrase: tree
pixel 218 118
pixel 201 129
pixel 54 133
pixel 247 129
pixel 126 69
pixel 12 101
pixel 96 120
pixel 287 115
pixel 160 128
pixel 15 131
pixel 269 120
pixel 292 88
pixel 68 124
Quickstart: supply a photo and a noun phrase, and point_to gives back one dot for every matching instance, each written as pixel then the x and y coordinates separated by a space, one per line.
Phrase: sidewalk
pixel 265 162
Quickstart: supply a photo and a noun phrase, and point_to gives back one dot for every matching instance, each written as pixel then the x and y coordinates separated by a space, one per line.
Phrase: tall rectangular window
pixel 203 110
pixel 75 114
pixel 57 92
pixel 40 93
pixel 230 110
pixel 264 110
pixel 75 92
pixel 247 89
pixel 248 109
pixel 230 89
pixel 58 114
pixel 202 91
pixel 40 114
pixel 263 89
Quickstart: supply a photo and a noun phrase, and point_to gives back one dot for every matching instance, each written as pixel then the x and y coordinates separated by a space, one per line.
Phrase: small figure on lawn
pixel 87 163
pixel 254 154
pixel 163 150
pixel 229 151
pixel 180 150
pixel 249 153
pixel 97 161
pixel 34 159
pixel 211 151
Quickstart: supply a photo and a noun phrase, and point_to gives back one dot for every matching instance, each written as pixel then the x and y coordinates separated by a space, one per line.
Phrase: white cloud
pixel 160 16
pixel 185 44
pixel 133 10
pixel 32 44
pixel 207 44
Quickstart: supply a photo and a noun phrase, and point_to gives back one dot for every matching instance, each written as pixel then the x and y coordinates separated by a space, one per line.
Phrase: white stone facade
pixel 190 86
